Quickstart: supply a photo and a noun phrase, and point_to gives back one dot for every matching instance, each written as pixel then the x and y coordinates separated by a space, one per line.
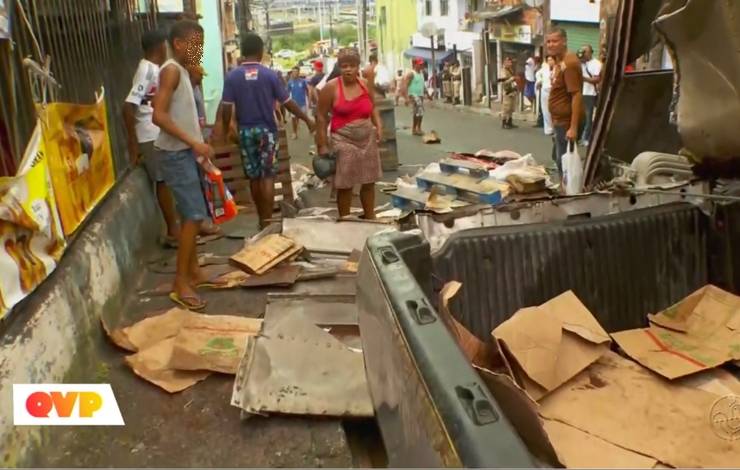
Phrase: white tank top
pixel 183 112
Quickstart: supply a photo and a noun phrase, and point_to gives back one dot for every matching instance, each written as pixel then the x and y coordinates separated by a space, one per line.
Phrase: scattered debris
pixel 281 276
pixel 700 332
pixel 353 262
pixel 295 367
pixel 178 348
pixel 431 138
pixel 265 253
pixel 328 236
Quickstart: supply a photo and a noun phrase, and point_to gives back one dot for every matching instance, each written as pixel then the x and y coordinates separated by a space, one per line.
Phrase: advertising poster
pixel 80 160
pixel 31 240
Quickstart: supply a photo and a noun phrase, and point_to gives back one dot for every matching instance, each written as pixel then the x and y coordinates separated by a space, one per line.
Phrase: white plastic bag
pixel 572 170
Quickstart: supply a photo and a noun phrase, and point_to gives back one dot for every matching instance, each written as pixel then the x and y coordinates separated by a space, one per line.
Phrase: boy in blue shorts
pixel 179 142
pixel 252 89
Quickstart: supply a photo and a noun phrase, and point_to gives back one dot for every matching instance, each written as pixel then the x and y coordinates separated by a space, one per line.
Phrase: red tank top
pixel 346 111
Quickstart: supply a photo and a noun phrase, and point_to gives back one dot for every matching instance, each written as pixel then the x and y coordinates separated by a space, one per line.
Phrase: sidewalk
pixel 481 109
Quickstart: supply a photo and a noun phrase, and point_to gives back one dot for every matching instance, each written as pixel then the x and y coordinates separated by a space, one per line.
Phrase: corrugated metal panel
pixel 580 34
pixel 622 267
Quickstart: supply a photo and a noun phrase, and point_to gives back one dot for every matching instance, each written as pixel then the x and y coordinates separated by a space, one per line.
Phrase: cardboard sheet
pixel 625 404
pixel 264 254
pixel 151 330
pixel 152 365
pixel 552 343
pixel 578 449
pixel 479 353
pixel 212 342
pixel 700 332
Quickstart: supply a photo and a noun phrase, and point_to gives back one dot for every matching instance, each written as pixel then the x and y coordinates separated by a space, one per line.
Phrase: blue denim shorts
pixel 184 177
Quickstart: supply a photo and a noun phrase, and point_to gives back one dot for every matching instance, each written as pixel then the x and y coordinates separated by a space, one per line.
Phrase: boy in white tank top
pixel 179 142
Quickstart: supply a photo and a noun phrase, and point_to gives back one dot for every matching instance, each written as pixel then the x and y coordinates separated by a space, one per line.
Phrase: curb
pixel 495 111
pixel 52 335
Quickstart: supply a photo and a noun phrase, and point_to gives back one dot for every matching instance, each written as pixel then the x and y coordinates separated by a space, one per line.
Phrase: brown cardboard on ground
pixel 212 342
pixel 263 254
pixel 625 404
pixel 578 449
pixel 552 343
pixel 150 331
pixel 152 364
pixel 698 333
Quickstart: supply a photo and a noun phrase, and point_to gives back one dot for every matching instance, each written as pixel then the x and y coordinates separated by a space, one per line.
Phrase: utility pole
pixel 362 29
pixel 245 16
pixel 321 19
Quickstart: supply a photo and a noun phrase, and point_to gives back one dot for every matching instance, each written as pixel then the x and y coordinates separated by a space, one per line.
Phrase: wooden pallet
pixel 229 161
pixel 463 186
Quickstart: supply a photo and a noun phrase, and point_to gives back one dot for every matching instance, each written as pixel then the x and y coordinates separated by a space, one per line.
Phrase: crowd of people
pixel 165 119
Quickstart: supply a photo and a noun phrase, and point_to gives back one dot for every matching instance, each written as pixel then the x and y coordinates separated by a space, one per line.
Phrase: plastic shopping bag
pixel 572 170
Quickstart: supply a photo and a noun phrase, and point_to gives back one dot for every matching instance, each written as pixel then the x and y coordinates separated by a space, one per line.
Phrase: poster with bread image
pixel 31 239
pixel 80 160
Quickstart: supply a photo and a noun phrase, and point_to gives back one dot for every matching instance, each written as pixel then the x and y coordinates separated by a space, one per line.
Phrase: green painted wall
pixel 396 24
pixel 580 34
pixel 213 61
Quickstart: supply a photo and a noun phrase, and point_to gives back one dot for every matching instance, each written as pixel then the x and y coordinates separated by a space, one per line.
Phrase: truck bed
pixel 431 406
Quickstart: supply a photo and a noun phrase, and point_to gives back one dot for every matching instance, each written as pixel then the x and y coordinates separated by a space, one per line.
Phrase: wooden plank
pixel 226 149
pixel 234 173
pixel 265 253
pixel 236 185
pixel 231 161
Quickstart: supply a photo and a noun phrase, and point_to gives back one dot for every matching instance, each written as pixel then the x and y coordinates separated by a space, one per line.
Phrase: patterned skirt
pixel 358 158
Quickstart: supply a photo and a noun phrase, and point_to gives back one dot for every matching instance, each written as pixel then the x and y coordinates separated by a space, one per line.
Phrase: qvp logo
pixel 65 405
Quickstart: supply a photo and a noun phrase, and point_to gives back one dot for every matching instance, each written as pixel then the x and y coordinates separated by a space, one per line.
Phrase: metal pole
pixel 431 38
pixel 321 19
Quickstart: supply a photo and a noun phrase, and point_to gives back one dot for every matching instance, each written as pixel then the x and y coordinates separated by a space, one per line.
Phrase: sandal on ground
pixel 170 241
pixel 188 302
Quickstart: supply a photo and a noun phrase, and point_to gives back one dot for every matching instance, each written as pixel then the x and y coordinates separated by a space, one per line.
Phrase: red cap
pixel 419 61
pixel 318 65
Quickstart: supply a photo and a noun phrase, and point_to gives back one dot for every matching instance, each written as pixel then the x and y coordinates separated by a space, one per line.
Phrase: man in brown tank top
pixel 566 103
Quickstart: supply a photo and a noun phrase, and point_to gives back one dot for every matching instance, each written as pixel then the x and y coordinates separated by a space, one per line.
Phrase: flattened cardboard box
pixel 551 343
pixel 619 401
pixel 700 332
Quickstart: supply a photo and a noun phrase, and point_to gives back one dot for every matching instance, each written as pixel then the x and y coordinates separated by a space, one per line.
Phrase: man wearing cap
pixel 313 94
pixel 414 90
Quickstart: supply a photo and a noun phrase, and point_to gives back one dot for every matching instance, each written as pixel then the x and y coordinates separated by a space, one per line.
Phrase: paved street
pixel 459 130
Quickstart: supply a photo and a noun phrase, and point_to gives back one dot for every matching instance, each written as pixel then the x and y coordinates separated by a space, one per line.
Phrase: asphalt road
pixel 459 131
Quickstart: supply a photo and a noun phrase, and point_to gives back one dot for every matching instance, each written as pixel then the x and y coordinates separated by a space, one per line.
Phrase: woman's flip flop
pixel 187 302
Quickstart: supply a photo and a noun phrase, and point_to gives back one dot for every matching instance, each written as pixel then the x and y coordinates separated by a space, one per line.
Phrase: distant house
pixel 397 23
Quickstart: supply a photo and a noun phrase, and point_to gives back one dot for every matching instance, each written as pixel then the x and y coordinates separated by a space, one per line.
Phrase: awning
pixel 426 54
pixel 508 10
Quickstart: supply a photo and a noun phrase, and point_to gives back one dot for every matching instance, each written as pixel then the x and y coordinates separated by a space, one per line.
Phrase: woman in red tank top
pixel 354 132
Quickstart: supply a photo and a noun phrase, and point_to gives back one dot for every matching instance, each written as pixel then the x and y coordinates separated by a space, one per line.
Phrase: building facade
pixel 580 19
pixel 397 23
